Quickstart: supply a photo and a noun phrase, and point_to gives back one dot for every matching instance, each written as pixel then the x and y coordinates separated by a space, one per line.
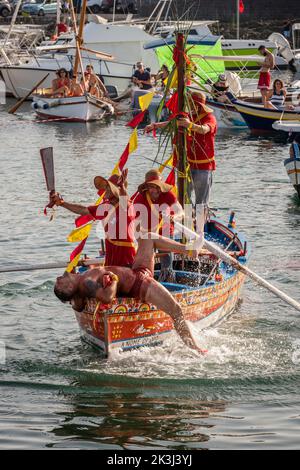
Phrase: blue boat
pixel 260 120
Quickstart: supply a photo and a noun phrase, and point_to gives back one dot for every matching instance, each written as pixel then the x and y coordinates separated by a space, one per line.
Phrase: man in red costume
pixel 157 198
pixel 201 128
pixel 118 221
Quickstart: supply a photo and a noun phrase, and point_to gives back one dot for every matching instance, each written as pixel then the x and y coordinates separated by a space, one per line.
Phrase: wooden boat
pixel 84 108
pixel 208 290
pixel 291 164
pixel 206 299
pixel 260 120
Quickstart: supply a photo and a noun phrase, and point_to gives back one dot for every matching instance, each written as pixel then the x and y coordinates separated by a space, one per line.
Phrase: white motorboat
pixel 20 78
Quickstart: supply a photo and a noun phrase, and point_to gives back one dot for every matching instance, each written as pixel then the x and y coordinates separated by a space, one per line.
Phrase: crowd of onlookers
pixel 65 85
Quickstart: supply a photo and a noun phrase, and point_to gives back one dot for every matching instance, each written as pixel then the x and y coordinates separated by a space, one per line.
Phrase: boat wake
pixel 238 351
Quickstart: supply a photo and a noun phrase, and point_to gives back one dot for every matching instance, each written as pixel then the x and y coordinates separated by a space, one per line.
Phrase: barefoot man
pixel 105 284
pixel 264 81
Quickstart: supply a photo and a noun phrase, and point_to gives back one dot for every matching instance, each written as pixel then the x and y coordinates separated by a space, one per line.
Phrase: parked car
pixel 122 6
pixel 40 7
pixel 14 3
pixel 94 6
pixel 5 8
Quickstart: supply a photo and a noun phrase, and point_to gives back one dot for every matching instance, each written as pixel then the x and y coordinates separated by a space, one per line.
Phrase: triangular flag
pixel 136 120
pixel 75 256
pixel 79 234
pixel 145 100
pixel 168 162
pixel 133 141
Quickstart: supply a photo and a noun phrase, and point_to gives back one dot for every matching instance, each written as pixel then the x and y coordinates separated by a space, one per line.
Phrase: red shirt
pixel 201 147
pixel 62 28
pixel 154 211
pixel 119 233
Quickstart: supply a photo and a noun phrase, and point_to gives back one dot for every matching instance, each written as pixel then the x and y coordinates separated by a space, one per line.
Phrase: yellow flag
pixel 79 233
pixel 174 81
pixel 133 141
pixel 73 263
pixel 145 100
pixel 116 170
pixel 168 162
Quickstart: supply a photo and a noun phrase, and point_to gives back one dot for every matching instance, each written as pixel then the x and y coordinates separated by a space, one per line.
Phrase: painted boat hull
pixel 260 120
pixel 227 116
pixel 72 109
pixel 292 166
pixel 128 324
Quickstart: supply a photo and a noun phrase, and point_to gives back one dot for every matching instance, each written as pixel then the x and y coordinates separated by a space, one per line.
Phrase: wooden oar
pixel 217 251
pixel 21 101
pixel 39 267
pixel 63 264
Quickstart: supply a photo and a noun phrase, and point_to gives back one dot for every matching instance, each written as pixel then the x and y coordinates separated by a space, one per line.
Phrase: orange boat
pixel 207 296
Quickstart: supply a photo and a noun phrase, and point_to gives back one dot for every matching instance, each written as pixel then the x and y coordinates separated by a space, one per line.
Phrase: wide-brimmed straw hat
pixel 112 182
pixel 199 99
pixel 154 177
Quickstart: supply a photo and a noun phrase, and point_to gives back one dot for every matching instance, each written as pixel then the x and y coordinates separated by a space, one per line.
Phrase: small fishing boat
pixel 291 164
pixel 207 289
pixel 84 108
pixel 207 293
pixel 260 120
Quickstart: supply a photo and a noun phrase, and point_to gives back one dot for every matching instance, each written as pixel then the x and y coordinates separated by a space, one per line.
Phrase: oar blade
pixel 48 166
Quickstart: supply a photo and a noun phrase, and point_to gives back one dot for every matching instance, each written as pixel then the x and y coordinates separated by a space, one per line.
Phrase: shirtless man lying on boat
pixel 107 283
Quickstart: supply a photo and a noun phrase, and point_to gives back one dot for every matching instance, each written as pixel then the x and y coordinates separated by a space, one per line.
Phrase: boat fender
pixel 232 222
pixel 39 104
pixel 34 105
pixel 54 103
pixel 45 105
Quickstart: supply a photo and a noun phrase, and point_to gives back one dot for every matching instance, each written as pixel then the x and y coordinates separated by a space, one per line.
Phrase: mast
pixel 238 19
pixel 13 21
pixel 114 11
pixel 181 66
pixel 58 14
pixel 78 39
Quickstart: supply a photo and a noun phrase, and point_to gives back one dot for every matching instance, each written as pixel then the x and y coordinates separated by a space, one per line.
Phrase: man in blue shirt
pixel 142 77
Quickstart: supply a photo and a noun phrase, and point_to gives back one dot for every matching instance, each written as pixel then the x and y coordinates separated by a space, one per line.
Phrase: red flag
pixel 82 220
pixel 241 6
pixel 137 119
pixel 78 249
pixel 172 104
pixel 171 178
pixel 124 157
